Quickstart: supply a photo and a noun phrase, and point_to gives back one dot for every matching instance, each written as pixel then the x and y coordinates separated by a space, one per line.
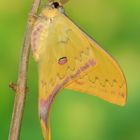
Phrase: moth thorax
pixel 50 12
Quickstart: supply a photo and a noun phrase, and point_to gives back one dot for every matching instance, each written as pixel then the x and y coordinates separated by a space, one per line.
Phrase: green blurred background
pixel 116 26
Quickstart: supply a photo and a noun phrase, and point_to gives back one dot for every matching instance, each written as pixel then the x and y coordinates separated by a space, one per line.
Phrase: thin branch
pixel 22 78
pixel 13 86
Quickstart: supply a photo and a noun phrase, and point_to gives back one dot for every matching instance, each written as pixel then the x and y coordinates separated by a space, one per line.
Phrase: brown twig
pixel 22 78
pixel 13 86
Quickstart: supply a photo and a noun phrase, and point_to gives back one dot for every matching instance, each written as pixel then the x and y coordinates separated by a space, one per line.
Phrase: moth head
pixel 52 9
pixel 58 6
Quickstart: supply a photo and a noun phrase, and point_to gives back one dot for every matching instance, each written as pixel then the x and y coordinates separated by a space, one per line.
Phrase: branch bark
pixel 20 96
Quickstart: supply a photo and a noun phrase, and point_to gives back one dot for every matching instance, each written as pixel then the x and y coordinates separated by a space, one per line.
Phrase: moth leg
pixel 33 17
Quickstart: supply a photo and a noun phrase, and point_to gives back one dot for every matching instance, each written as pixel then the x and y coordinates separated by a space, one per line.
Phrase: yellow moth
pixel 68 58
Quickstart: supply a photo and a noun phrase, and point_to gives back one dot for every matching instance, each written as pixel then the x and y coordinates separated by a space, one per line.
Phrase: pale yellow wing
pixel 68 58
pixel 105 80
